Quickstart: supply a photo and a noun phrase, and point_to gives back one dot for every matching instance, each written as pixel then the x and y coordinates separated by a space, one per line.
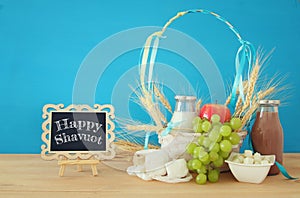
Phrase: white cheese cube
pixel 241 158
pixel 248 160
pixel 257 156
pixel 236 157
pixel 265 162
pixel 248 153
pixel 268 158
pixel 257 162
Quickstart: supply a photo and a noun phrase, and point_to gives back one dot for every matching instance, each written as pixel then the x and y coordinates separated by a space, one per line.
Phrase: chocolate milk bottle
pixel 267 134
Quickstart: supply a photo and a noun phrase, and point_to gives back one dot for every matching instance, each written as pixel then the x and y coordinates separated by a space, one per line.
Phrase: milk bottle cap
pixel 269 102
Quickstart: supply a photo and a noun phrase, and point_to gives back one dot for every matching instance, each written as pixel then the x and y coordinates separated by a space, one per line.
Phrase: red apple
pixel 210 109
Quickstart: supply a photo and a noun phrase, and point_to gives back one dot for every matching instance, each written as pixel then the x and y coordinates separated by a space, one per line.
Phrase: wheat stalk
pixel 161 116
pixel 248 114
pixel 146 101
pixel 198 105
pixel 239 103
pixel 254 105
pixel 238 106
pixel 143 127
pixel 262 94
pixel 251 85
pixel 162 99
pixel 245 87
pixel 152 111
pixel 131 146
pixel 228 100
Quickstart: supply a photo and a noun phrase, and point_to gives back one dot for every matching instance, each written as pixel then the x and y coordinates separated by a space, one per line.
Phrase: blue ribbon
pixel 169 128
pixel 147 140
pixel 150 88
pixel 245 57
pixel 284 171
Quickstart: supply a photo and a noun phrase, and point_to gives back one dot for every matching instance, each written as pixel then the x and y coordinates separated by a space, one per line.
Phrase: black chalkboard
pixel 78 131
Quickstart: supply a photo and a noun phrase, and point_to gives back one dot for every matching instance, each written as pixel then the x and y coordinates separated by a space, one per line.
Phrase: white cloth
pixel 166 164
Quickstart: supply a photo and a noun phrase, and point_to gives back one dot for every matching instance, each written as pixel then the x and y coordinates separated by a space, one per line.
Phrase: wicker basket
pixel 150 50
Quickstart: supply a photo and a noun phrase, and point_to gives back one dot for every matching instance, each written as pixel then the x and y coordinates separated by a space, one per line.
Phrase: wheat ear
pixel 251 86
pixel 148 104
pixel 238 106
pixel 142 127
pixel 145 99
pixel 263 94
pixel 248 115
pixel 254 106
pixel 160 114
pixel 162 99
pixel 198 105
pixel 239 103
pixel 245 86
pixel 132 147
pixel 228 100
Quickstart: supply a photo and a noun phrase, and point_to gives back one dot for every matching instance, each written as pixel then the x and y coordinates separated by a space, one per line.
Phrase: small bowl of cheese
pixel 249 167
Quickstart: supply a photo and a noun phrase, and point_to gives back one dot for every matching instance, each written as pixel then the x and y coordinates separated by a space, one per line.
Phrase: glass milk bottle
pixel 267 134
pixel 184 113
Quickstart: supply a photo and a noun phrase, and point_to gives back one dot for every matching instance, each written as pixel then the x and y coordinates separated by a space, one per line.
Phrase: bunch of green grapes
pixel 213 146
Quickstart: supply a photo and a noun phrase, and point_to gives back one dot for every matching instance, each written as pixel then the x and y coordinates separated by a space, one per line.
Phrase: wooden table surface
pixel 30 176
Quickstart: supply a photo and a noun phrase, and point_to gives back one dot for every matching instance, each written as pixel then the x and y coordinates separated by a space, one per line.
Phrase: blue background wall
pixel 44 42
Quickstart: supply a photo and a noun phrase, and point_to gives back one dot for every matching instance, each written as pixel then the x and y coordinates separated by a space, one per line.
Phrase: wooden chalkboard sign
pixel 78 132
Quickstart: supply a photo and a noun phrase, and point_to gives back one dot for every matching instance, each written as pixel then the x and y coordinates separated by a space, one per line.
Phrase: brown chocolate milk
pixel 267 134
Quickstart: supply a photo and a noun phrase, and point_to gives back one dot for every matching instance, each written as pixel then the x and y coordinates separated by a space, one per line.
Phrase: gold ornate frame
pixel 110 126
